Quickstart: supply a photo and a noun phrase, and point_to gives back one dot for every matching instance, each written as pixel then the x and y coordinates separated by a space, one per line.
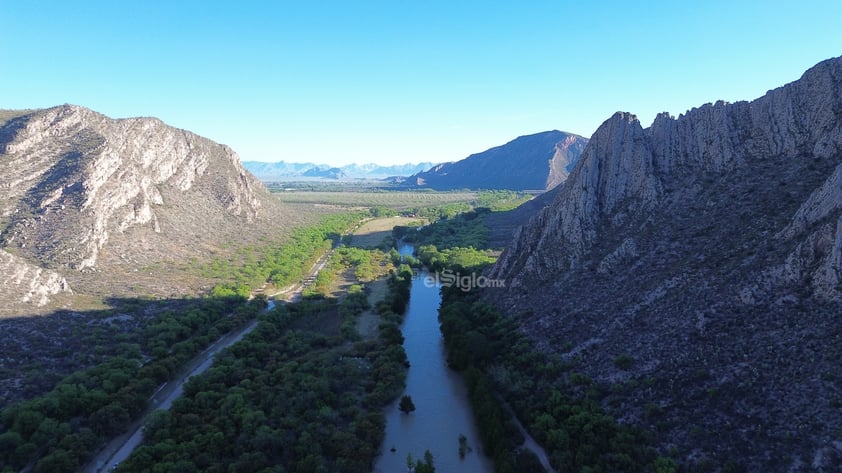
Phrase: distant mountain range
pixel 533 162
pixel 281 170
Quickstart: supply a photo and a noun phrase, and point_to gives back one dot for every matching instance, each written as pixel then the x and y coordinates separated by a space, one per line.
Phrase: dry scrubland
pixel 183 275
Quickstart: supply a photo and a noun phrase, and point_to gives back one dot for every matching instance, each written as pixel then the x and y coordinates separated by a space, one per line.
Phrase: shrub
pixel 623 362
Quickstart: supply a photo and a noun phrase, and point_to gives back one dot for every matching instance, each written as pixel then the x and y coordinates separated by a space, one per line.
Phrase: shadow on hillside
pixel 40 350
pixel 82 376
pixel 502 225
pixel 9 129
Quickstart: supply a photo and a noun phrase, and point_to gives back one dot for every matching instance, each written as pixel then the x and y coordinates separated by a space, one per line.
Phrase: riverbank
pixel 443 414
pixel 560 407
pixel 296 392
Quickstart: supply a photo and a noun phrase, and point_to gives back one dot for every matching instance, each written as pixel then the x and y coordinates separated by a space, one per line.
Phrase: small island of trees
pixel 406 405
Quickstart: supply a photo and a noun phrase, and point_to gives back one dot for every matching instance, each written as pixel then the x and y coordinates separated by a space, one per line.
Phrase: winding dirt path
pixel 529 443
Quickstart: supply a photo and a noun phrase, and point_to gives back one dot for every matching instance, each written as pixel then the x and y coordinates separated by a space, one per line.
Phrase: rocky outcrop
pixel 595 187
pixel 623 167
pixel 101 201
pixel 74 177
pixel 21 282
pixel 707 247
pixel 533 162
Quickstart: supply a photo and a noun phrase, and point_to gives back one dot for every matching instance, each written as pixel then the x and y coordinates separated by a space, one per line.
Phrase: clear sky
pixel 397 81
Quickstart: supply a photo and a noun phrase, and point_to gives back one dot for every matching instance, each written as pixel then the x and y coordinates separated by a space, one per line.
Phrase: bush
pixel 623 362
pixel 406 405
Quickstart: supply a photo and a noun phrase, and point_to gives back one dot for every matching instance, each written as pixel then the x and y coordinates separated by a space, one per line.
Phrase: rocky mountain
pixel 533 162
pixel 502 225
pixel 708 249
pixel 278 170
pixel 329 173
pixel 92 204
pixel 281 170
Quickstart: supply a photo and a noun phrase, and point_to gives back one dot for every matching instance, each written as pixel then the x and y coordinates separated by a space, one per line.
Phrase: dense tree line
pixel 560 408
pixel 456 259
pixel 289 397
pixel 281 265
pixel 460 224
pixel 352 305
pixel 493 200
pixel 58 431
pixel 500 200
pixel 441 212
pixel 464 229
pixel 365 265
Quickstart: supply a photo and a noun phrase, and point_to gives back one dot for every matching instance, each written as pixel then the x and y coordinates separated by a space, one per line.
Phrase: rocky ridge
pixel 82 192
pixel 709 249
pixel 533 162
pixel 29 283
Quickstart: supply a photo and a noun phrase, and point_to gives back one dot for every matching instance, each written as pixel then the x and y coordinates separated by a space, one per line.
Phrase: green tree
pixel 406 405
pixel 427 465
pixel 463 446
pixel 59 461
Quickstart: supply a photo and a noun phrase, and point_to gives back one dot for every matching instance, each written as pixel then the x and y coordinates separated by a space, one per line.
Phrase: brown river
pixel 439 393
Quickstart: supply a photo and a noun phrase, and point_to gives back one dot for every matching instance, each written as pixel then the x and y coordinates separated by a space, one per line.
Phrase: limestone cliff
pixel 21 282
pixel 83 193
pixel 708 247
pixel 623 168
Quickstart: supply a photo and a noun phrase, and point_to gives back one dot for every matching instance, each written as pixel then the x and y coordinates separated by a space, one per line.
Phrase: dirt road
pixel 119 448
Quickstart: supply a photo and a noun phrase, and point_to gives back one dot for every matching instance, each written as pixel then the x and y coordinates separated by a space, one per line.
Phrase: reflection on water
pixel 442 409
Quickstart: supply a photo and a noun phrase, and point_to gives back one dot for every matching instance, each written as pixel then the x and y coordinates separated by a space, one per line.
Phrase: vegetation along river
pixel 443 411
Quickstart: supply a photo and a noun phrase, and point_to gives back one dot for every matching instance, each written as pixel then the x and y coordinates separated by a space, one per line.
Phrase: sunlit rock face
pixel 24 283
pixel 77 185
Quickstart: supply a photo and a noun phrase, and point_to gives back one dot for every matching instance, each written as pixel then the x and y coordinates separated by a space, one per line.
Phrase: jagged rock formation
pixel 709 249
pixel 83 193
pixel 534 162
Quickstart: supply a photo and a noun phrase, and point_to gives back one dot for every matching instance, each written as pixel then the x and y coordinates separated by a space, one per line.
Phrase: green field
pixel 398 200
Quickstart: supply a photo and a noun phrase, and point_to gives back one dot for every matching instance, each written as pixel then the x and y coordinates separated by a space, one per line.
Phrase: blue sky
pixel 396 81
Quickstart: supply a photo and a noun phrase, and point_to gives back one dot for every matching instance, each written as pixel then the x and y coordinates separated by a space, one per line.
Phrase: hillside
pixel 533 162
pixel 503 225
pixel 329 173
pixel 706 253
pixel 97 206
